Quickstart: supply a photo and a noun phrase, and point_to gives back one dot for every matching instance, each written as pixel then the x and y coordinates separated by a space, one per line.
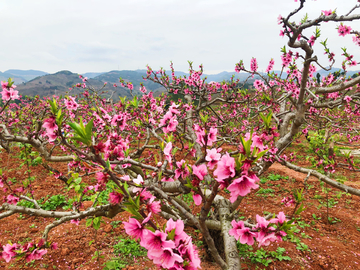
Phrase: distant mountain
pixel 225 76
pixel 17 79
pixel 26 74
pixel 322 72
pixel 44 84
pixel 135 77
pixel 60 82
pixel 91 75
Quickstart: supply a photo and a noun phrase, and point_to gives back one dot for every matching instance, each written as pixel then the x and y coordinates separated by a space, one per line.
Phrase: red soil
pixel 334 246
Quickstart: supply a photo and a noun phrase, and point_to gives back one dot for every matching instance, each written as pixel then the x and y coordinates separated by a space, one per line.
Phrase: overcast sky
pixel 103 35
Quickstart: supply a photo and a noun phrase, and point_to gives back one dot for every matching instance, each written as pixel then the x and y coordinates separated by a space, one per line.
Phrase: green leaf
pixel 88 222
pixel 134 102
pixel 242 140
pixel 306 17
pixel 59 118
pixel 300 209
pixel 137 201
pixel 77 188
pixel 97 223
pixel 204 118
pixel 260 154
pixel 78 129
pixel 53 106
pixel 171 235
pixel 136 214
pixel 80 139
pixel 111 265
pixel 88 130
pixel 78 180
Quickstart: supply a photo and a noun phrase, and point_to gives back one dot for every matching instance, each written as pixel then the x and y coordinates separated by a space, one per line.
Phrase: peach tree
pixel 145 152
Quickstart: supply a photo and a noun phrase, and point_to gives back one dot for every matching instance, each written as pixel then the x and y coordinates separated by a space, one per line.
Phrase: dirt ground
pixel 330 246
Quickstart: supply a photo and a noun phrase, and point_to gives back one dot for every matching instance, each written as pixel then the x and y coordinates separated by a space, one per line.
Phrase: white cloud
pixel 94 35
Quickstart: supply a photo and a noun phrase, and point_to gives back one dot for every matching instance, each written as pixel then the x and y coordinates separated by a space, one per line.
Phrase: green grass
pixel 261 256
pixel 126 251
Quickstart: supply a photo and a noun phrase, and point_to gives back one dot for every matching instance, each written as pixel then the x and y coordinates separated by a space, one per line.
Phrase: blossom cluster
pixel 264 232
pixel 8 91
pixel 30 251
pixel 171 248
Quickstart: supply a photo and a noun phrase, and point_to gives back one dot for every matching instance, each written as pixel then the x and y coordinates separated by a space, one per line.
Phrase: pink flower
pixel 236 226
pixel 153 206
pixel 36 255
pixel 10 94
pixel 173 108
pixel 212 136
pixel 102 178
pixel 115 197
pixel 327 12
pixel 262 224
pixel 347 99
pixel 125 178
pixel 257 142
pixel 4 84
pixel 344 30
pixel 167 179
pixel 212 156
pixel 265 241
pixel 145 195
pixel 167 153
pixel 138 180
pixel 119 120
pixel 246 236
pixel 311 41
pixel 253 65
pixel 50 125
pixel 200 134
pixel 178 226
pixel 70 103
pixel 271 65
pixel 135 229
pixel 8 251
pixel 356 40
pixel 75 221
pixel 143 89
pixel 281 218
pixel 200 171
pixel 225 168
pixel 54 246
pixel 11 199
pixel 288 201
pixel 154 242
pixel 241 187
pixel 182 170
pixel 26 247
pixel 41 242
pixel 169 122
pixel 51 128
pixel 279 235
pixel 167 258
pixel 197 199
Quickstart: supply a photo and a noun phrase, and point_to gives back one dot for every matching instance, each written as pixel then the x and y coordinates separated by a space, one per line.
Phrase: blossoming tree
pixel 149 150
